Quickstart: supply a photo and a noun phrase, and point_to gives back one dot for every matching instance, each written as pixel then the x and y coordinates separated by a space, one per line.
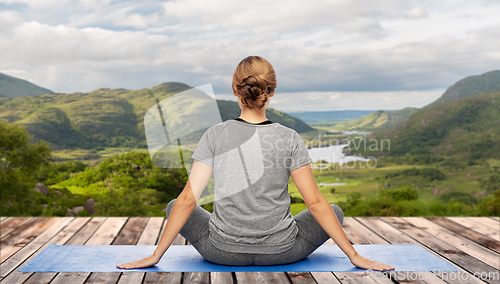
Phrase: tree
pixel 20 161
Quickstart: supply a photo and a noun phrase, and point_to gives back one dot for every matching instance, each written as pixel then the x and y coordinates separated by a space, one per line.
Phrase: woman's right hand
pixel 365 263
pixel 141 263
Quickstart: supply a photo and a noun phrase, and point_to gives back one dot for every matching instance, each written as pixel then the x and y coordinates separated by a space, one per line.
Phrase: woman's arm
pixel 325 216
pixel 182 209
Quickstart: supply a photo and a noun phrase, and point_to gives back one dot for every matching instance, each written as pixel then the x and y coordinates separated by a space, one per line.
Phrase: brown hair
pixel 253 79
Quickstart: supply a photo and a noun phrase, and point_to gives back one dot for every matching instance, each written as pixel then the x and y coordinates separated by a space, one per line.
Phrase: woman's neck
pixel 253 115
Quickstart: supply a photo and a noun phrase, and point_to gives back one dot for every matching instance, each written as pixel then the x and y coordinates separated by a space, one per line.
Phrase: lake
pixel 333 154
pixel 355 132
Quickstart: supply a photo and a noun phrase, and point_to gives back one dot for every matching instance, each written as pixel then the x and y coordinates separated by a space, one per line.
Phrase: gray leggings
pixel 310 236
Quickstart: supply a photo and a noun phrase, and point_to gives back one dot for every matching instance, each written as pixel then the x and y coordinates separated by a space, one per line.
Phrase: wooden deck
pixel 469 243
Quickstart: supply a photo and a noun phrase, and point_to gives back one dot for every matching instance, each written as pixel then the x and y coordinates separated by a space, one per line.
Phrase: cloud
pixel 370 50
pixel 282 15
pixel 417 13
pixel 334 97
pixel 135 20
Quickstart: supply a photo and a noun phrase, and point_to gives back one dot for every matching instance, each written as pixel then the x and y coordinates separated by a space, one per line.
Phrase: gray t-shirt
pixel 251 169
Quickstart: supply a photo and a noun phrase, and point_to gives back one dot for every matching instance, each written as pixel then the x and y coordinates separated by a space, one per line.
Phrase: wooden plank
pixel 386 231
pixel 132 231
pixel 28 250
pixel 395 236
pixel 59 239
pixel 65 278
pixel 148 237
pixel 359 278
pixel 162 277
pixel 487 256
pixel 129 235
pixel 359 234
pixel 3 219
pixel 131 277
pixel 196 278
pixel 495 218
pixel 23 236
pixel 221 278
pixel 325 278
pixel 467 233
pixel 38 278
pixel 104 235
pixel 475 226
pixel 301 277
pixel 451 253
pixel 83 235
pixel 107 232
pixel 486 222
pixel 103 277
pixel 262 277
pixel 150 234
pixel 11 224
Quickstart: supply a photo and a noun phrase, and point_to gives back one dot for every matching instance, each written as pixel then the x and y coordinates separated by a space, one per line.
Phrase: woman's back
pixel 251 165
pixel 251 169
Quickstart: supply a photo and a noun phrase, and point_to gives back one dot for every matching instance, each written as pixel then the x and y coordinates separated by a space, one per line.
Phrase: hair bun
pixel 256 84
pixel 253 79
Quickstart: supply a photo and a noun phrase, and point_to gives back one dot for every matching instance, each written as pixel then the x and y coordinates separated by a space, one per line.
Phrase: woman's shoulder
pixel 216 128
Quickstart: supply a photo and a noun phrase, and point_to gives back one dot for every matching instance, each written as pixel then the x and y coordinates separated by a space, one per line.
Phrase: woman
pixel 252 159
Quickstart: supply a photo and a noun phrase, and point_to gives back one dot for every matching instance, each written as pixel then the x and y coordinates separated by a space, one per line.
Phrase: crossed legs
pixel 310 236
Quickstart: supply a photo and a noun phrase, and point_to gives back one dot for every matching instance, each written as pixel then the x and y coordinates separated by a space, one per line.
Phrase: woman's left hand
pixel 141 263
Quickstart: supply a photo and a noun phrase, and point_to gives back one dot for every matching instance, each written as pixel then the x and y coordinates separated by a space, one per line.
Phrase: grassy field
pixel 368 182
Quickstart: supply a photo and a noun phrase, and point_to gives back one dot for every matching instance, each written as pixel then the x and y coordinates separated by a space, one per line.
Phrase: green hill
pixel 378 120
pixel 472 85
pixel 11 87
pixel 105 117
pixel 468 127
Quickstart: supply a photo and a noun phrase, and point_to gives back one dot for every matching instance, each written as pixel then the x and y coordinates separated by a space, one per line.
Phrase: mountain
pixel 472 85
pixel 106 117
pixel 378 120
pixel 468 127
pixel 12 87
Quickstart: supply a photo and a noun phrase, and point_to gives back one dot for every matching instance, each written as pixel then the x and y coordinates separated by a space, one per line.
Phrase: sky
pixel 328 54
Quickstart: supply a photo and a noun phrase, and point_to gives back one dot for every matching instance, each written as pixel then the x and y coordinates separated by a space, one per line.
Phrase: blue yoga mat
pixel 73 258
